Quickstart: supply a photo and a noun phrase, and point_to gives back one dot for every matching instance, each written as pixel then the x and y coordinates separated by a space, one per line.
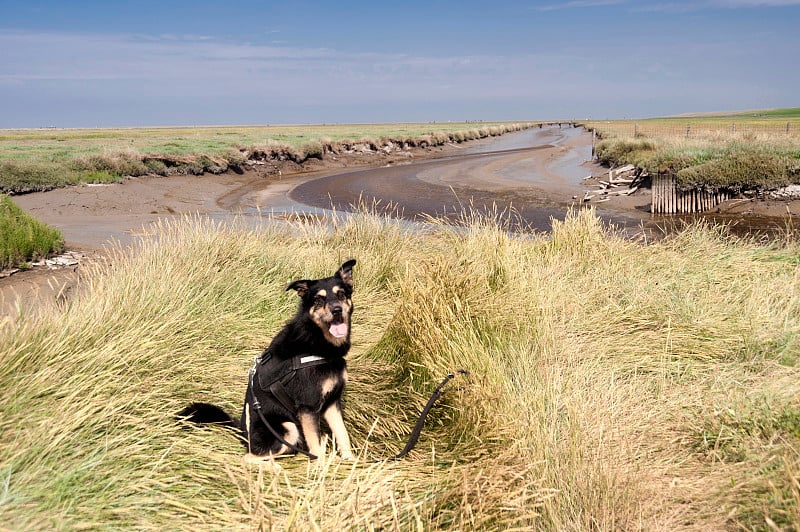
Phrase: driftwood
pixel 666 197
pixel 622 181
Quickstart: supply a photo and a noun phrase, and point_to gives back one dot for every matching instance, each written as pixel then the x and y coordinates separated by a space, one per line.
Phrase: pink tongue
pixel 339 330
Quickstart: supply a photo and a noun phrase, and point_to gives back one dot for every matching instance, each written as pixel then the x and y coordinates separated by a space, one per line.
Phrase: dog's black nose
pixel 336 309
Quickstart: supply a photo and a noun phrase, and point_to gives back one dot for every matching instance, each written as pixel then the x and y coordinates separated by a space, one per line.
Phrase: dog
pixel 299 379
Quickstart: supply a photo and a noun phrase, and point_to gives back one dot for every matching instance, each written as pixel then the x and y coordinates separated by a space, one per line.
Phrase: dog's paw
pixel 348 456
pixel 267 462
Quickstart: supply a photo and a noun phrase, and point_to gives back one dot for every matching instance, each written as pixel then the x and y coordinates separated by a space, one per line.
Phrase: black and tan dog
pixel 298 380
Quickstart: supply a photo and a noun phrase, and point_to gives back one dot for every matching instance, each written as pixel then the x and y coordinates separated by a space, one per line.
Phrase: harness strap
pixel 282 396
pixel 306 361
pixel 298 362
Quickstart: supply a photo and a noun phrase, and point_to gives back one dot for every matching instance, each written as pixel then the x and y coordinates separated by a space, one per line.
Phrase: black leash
pixel 437 393
pixel 412 439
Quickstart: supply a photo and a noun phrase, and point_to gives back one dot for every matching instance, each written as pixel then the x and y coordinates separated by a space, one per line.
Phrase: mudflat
pixel 536 173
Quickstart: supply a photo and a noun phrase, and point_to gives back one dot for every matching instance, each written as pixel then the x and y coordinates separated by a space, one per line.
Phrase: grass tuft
pixel 23 238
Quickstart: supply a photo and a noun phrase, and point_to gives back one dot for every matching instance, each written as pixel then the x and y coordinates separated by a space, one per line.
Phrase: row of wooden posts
pixel 667 199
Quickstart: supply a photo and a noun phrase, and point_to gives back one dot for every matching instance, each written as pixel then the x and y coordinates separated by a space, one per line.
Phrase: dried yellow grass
pixel 614 385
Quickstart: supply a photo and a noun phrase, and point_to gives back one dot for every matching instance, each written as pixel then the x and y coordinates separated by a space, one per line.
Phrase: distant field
pixel 775 122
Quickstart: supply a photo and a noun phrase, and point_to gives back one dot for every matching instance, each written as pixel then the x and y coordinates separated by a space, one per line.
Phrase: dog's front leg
pixel 309 422
pixel 333 417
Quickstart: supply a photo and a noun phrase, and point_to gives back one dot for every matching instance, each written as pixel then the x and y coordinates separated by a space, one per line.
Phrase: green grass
pixel 750 151
pixel 23 238
pixel 615 385
pixel 42 159
pixel 791 112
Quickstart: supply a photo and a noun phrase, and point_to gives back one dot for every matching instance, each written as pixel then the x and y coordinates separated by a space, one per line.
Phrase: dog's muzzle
pixel 338 327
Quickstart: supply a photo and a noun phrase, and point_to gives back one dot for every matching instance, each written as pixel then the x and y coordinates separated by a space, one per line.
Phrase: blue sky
pixel 150 63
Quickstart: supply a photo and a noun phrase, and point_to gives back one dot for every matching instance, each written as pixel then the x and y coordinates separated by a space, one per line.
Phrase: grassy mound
pixel 22 237
pixel 742 170
pixel 614 385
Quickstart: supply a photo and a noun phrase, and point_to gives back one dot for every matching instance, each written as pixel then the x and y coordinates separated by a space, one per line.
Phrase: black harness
pixel 276 386
pixel 277 383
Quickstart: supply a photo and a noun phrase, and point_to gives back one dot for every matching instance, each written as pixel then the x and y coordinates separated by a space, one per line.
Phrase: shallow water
pixel 534 174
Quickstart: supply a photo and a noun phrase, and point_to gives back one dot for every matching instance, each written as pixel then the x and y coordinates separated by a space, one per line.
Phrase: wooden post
pixel 654 194
pixel 671 196
pixel 688 130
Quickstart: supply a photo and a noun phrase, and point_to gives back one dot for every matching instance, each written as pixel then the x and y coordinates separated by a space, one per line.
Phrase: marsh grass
pixel 614 385
pixel 22 237
pixel 709 153
pixel 34 160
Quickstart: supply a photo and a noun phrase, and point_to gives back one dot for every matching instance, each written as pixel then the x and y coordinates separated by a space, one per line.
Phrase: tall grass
pixel 614 385
pixel 22 237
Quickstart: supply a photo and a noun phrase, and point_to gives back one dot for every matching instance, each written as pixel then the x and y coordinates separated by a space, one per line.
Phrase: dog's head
pixel 329 302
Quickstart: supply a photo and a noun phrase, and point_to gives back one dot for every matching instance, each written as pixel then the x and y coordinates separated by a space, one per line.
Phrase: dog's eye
pixel 319 301
pixel 341 295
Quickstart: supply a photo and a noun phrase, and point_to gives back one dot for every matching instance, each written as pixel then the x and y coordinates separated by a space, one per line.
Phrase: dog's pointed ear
pixel 301 286
pixel 345 272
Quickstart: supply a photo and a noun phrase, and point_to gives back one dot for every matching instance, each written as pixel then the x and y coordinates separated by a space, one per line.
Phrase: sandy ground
pixel 537 173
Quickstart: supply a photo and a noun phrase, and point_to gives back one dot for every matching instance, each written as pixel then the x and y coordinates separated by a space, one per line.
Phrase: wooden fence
pixel 696 130
pixel 667 199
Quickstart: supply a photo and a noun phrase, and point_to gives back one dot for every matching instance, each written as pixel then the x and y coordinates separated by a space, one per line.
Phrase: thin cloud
pixel 214 67
pixel 672 7
pixel 733 4
pixel 577 4
pixel 104 78
pixel 686 7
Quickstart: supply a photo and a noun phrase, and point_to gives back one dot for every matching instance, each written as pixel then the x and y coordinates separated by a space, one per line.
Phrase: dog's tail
pixel 205 413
